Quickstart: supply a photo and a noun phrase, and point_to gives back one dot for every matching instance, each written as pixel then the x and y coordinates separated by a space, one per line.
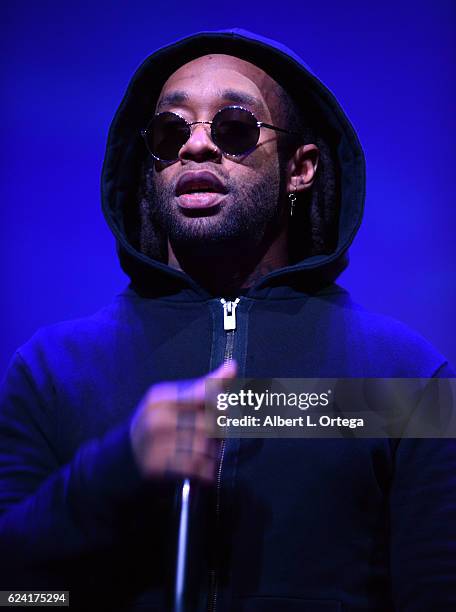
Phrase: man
pixel 234 185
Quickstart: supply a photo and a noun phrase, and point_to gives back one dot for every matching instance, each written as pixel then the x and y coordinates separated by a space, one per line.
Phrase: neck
pixel 238 267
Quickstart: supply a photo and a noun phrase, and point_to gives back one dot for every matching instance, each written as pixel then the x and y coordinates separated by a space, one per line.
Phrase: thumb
pixel 220 378
pixel 214 382
pixel 227 370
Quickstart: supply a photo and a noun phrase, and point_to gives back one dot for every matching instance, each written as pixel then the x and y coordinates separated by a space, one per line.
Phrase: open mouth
pixel 200 189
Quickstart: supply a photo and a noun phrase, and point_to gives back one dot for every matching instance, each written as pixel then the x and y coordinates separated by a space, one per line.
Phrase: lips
pixel 199 182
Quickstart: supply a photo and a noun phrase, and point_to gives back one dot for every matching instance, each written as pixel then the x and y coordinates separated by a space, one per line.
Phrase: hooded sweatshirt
pixel 294 524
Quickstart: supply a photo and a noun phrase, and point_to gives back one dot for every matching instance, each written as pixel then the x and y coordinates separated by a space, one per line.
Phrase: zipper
pixel 229 325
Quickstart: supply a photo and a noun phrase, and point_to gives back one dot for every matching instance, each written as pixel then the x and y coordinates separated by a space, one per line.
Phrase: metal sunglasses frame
pixel 259 124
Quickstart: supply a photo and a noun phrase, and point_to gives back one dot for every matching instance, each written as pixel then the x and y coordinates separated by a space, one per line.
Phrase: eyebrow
pixel 174 98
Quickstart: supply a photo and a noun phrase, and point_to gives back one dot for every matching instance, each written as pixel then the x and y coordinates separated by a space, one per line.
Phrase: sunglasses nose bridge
pixel 200 135
pixel 203 124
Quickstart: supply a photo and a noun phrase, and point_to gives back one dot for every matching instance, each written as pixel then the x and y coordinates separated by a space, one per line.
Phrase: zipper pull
pixel 229 314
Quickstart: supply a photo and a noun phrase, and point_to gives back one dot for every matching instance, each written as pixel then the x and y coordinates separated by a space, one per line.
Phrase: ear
pixel 302 168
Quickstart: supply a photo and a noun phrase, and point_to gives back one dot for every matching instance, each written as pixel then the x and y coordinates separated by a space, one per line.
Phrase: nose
pixel 200 146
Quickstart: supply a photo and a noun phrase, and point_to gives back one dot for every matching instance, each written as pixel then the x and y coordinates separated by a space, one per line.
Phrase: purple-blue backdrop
pixel 65 68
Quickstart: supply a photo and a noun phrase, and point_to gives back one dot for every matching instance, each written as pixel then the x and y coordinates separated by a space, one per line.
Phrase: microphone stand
pixel 180 586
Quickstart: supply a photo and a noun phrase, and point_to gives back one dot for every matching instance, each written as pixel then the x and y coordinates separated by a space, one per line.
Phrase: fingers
pixel 170 430
pixel 171 441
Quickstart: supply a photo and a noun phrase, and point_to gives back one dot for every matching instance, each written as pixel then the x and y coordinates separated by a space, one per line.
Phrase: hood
pixel 125 155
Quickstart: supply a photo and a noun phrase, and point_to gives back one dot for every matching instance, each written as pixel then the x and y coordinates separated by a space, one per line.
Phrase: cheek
pixel 266 156
pixel 263 168
pixel 165 177
pixel 263 161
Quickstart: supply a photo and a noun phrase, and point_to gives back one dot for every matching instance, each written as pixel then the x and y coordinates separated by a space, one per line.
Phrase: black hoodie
pixel 303 525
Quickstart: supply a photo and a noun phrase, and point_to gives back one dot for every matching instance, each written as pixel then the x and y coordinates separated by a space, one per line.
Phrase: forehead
pixel 210 76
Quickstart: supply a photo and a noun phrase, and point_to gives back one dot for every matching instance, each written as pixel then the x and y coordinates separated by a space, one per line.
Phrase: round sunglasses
pixel 234 129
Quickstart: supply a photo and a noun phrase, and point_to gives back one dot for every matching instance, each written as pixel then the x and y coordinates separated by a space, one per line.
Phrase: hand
pixel 169 431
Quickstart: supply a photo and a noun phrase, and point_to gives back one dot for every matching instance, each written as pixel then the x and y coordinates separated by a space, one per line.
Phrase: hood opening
pixel 321 230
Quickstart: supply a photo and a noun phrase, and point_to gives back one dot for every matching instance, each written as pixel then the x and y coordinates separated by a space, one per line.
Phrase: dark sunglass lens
pixel 166 134
pixel 235 130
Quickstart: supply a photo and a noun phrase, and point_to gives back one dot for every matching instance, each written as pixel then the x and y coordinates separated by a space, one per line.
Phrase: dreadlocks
pixel 314 227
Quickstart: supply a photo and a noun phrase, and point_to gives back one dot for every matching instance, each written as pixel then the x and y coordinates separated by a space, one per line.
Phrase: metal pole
pixel 182 548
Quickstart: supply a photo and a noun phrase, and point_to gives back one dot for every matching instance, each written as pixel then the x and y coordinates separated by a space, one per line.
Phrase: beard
pixel 247 215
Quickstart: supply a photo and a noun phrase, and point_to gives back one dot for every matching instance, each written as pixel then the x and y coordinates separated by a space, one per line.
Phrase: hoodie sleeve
pixel 52 513
pixel 423 523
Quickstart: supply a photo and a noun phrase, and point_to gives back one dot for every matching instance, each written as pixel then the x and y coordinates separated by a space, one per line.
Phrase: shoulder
pixel 69 342
pixel 388 346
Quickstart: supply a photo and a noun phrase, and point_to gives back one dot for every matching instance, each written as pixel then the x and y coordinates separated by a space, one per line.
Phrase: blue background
pixel 65 68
